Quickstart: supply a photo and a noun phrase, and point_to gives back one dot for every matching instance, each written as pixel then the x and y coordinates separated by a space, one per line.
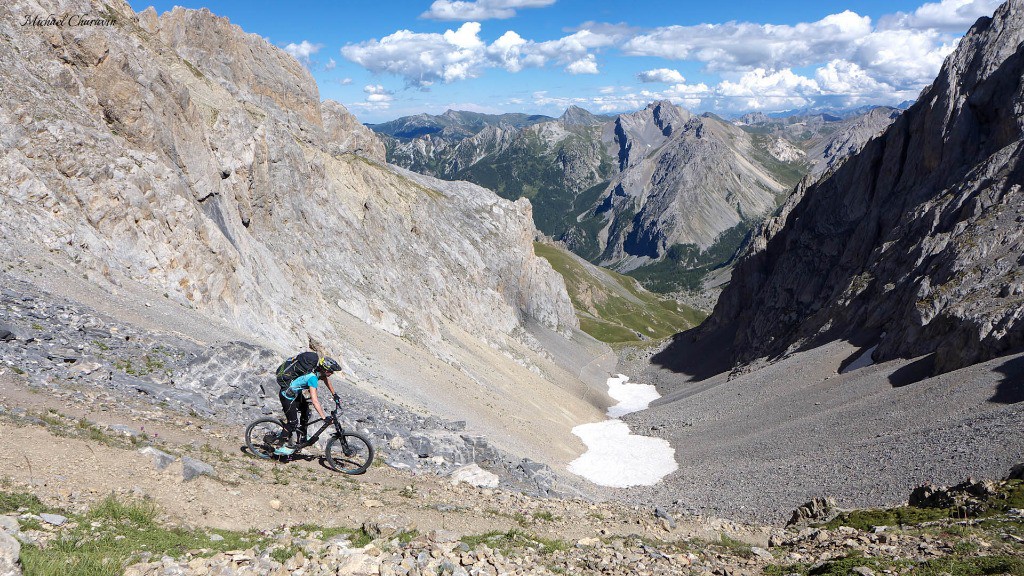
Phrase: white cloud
pixel 843 77
pixel 745 46
pixel 890 61
pixel 331 64
pixel 662 75
pixel 760 89
pixel 479 9
pixel 907 58
pixel 303 50
pixel 377 97
pixel 586 65
pixel 345 81
pixel 573 51
pixel 508 50
pixel 946 16
pixel 425 58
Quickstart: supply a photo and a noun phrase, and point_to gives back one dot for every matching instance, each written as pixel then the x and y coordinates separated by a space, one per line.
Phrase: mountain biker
pixel 295 375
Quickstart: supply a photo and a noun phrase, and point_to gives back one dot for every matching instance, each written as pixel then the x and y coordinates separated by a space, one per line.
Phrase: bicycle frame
pixel 333 419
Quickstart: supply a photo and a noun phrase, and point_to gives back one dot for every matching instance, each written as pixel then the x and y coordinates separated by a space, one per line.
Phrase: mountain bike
pixel 346 452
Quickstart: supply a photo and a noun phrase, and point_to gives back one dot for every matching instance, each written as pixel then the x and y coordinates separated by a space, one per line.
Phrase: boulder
pixel 1016 473
pixel 379 529
pixel 476 476
pixel 971 498
pixel 817 510
pixel 669 520
pixel 358 564
pixel 192 468
pixel 123 429
pixel 54 519
pixel 160 458
pixel 10 552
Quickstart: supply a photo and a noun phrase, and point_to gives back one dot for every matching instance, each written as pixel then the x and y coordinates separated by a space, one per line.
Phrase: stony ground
pixel 757 445
pixel 78 451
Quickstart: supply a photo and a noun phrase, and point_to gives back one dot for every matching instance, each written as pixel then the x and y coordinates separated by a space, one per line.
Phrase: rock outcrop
pixel 345 135
pixel 181 152
pixel 915 243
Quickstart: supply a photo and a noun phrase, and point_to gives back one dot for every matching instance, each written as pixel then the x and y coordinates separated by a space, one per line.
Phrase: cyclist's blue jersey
pixel 301 383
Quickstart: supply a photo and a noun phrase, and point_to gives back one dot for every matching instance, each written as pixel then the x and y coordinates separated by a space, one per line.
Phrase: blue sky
pixel 383 60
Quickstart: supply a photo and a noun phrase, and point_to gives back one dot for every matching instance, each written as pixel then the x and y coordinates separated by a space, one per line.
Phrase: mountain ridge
pixel 584 176
pixel 911 245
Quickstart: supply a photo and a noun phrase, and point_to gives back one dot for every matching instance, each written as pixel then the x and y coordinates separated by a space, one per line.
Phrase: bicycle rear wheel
pixel 265 435
pixel 349 453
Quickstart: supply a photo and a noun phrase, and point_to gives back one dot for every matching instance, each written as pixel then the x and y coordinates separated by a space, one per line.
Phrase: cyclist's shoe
pixel 286 450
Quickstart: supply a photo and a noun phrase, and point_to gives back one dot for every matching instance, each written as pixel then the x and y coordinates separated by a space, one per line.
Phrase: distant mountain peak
pixel 574 115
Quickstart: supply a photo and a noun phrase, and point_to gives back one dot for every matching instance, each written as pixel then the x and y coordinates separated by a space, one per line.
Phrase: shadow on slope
pixel 916 371
pixel 1011 389
pixel 699 358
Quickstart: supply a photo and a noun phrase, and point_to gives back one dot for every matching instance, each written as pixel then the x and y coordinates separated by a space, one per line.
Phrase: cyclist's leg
pixel 291 413
pixel 303 409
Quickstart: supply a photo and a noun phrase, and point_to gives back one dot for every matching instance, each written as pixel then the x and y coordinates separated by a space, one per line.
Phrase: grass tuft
pixel 127 529
pixel 20 501
pixel 515 539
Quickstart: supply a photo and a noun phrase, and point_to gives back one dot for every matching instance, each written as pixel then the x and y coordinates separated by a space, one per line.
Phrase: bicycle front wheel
pixel 349 453
pixel 265 435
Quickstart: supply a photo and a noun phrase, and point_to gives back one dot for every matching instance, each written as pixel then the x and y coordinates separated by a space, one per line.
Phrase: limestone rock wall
pixel 181 152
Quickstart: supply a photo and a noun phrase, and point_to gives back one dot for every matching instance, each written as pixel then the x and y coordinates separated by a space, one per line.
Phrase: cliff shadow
pixel 914 372
pixel 698 356
pixel 1011 389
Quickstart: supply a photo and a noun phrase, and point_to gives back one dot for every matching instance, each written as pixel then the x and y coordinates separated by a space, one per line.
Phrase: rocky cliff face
pixel 345 135
pixel 183 153
pixel 916 242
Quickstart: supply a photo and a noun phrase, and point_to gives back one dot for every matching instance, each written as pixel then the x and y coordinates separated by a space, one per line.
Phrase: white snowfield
pixel 631 397
pixel 616 458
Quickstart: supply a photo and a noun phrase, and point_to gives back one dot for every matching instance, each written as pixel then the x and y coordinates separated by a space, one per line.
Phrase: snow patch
pixel 631 397
pixel 618 459
pixel 862 361
pixel 615 457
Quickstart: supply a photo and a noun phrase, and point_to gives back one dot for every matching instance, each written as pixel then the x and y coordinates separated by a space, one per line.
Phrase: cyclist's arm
pixel 316 403
pixel 330 386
